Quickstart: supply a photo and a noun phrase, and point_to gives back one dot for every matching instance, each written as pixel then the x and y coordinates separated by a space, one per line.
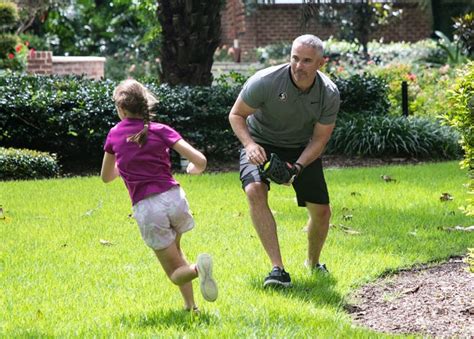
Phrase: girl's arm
pixel 109 171
pixel 198 161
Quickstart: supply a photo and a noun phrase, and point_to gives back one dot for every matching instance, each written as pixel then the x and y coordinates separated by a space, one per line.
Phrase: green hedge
pixel 70 116
pixel 383 136
pixel 26 164
pixel 364 94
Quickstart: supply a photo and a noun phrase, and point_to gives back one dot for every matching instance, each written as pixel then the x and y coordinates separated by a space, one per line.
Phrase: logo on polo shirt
pixel 282 96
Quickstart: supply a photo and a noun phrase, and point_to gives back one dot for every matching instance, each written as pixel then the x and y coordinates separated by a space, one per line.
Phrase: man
pixel 289 110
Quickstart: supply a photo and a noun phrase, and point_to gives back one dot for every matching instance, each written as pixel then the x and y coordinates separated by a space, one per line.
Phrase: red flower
pixel 27 43
pixel 11 56
pixel 18 48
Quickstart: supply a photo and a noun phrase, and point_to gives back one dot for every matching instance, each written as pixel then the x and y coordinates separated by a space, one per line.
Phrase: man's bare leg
pixel 318 227
pixel 263 221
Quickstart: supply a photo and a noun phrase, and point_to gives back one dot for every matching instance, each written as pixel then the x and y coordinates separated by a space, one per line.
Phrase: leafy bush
pixel 380 136
pixel 427 87
pixel 274 54
pixel 200 114
pixel 364 94
pixel 26 164
pixel 8 14
pixel 68 116
pixel 464 32
pixel 461 117
pixel 12 52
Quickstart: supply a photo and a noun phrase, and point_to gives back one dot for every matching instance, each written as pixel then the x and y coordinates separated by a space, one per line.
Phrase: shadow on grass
pixel 316 288
pixel 181 319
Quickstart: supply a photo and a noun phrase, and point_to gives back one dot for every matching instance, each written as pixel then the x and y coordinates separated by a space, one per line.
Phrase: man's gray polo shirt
pixel 286 116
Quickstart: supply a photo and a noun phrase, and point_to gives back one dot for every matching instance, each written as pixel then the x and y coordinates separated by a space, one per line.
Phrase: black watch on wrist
pixel 299 166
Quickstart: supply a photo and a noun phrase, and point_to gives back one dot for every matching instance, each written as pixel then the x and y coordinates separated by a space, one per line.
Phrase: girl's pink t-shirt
pixel 145 170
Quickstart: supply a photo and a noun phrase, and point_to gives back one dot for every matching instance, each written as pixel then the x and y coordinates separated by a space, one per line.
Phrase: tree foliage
pixel 356 19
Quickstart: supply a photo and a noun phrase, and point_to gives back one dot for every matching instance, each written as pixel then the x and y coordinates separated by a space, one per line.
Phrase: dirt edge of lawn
pixel 429 300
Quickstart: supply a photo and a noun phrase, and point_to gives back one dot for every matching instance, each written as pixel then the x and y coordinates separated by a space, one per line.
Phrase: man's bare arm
pixel 237 118
pixel 321 135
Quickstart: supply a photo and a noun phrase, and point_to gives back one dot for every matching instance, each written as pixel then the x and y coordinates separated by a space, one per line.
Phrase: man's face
pixel 304 63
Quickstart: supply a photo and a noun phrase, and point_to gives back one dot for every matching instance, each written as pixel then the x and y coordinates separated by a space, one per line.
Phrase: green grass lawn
pixel 57 279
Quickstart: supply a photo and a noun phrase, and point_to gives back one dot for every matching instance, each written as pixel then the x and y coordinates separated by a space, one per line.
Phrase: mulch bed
pixel 432 301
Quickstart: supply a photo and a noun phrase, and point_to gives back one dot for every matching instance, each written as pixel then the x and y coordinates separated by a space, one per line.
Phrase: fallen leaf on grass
pixel 345 229
pixel 388 178
pixel 446 197
pixel 460 228
pixel 105 242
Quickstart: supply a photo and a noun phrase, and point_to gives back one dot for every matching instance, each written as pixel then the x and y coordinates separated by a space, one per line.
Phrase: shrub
pixel 12 52
pixel 461 117
pixel 200 114
pixel 364 94
pixel 464 32
pixel 26 164
pixel 8 14
pixel 383 136
pixel 68 116
pixel 427 87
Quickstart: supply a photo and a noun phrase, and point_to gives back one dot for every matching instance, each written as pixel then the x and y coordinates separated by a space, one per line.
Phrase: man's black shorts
pixel 310 185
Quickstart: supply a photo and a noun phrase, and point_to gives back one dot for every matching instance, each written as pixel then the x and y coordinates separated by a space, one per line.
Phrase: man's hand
pixel 280 172
pixel 256 154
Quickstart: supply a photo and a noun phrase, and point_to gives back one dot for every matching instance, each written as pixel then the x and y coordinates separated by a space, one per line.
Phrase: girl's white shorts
pixel 161 216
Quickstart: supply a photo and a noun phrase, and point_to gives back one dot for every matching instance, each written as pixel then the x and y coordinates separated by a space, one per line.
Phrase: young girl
pixel 138 151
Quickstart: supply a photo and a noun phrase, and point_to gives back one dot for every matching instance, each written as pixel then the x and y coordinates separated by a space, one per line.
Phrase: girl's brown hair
pixel 134 98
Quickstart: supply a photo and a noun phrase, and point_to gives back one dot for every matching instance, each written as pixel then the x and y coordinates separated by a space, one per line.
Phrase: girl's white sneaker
pixel 206 281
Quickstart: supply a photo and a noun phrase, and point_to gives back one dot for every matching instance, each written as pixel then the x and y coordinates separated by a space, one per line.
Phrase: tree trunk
pixel 190 35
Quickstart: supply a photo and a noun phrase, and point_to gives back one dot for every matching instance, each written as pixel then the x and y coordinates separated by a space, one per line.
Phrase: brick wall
pixel 40 62
pixel 43 62
pixel 282 23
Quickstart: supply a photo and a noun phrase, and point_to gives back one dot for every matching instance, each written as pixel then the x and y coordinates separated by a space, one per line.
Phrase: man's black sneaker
pixel 278 277
pixel 319 268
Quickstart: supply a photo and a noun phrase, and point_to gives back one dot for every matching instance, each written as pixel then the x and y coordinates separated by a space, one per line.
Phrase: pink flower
pixel 340 69
pixel 370 62
pixel 11 56
pixel 27 43
pixel 32 52
pixel 411 77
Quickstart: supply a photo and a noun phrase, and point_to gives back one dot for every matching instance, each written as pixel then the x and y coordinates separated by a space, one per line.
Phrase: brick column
pixel 40 62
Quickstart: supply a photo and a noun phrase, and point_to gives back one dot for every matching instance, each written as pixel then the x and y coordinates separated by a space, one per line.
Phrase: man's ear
pixel 322 62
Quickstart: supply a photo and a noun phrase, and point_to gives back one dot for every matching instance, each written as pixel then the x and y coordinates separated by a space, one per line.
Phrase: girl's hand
pixel 193 169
